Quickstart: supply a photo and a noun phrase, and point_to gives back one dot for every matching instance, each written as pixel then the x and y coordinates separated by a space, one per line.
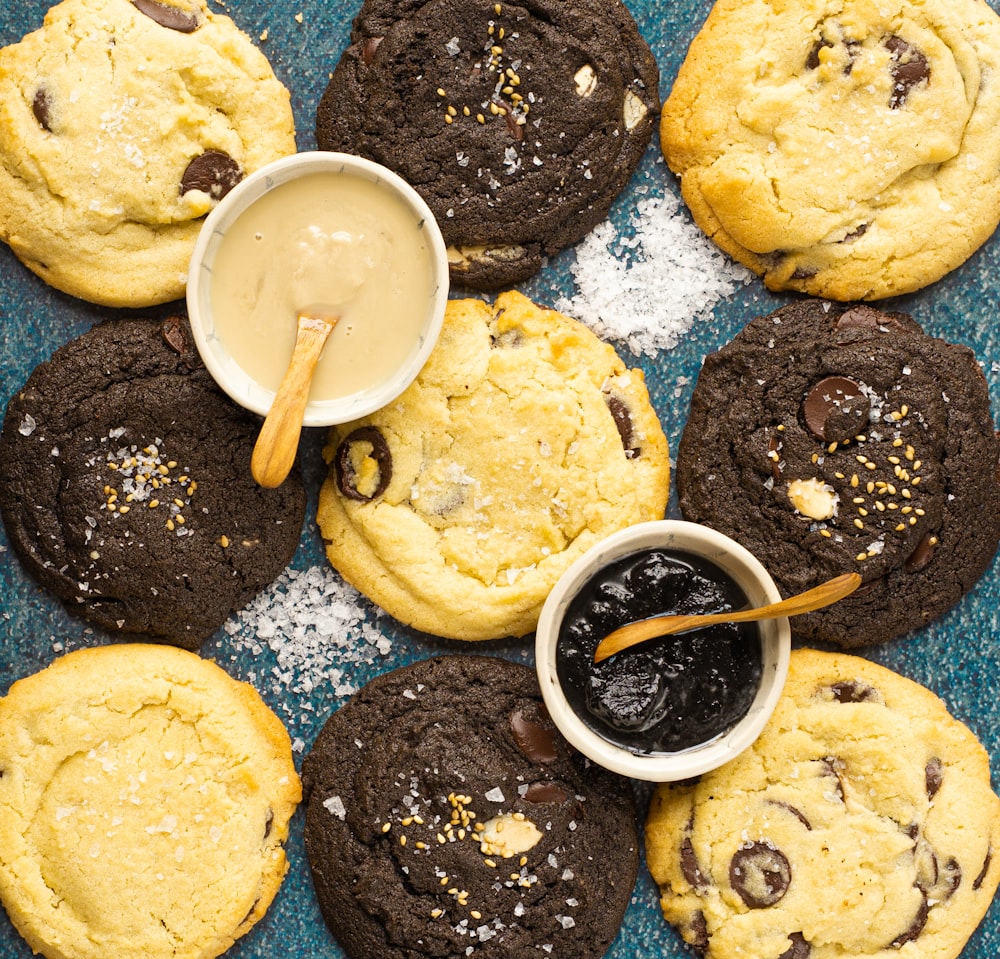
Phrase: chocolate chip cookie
pixel 146 800
pixel 121 125
pixel 523 441
pixel 827 440
pixel 518 123
pixel 125 485
pixel 845 150
pixel 447 817
pixel 862 820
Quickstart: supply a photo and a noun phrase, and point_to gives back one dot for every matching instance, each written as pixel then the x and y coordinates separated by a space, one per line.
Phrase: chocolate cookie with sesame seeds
pixel 833 438
pixel 447 817
pixel 125 485
pixel 519 123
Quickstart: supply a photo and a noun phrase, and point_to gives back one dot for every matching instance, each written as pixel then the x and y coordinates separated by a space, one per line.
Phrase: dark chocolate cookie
pixel 828 439
pixel 518 123
pixel 447 817
pixel 125 485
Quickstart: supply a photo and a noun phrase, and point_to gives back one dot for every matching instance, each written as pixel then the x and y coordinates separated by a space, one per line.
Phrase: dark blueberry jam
pixel 673 692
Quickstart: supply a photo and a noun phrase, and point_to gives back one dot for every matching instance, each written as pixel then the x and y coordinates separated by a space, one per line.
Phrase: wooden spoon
pixel 645 629
pixel 278 440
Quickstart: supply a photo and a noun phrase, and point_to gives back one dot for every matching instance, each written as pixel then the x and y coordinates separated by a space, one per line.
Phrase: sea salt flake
pixel 335 806
pixel 28 425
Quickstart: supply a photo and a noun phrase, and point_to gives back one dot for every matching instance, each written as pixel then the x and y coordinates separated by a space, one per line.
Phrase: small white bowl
pixel 749 575
pixel 230 376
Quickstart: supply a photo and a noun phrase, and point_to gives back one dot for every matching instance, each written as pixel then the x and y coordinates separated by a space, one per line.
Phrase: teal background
pixel 955 656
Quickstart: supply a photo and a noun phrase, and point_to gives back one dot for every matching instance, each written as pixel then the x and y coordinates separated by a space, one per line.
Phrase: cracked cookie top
pixel 146 798
pixel 523 441
pixel 121 125
pixel 842 148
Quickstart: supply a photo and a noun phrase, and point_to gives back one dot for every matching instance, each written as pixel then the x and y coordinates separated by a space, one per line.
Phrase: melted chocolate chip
pixel 689 865
pixel 214 173
pixel 933 775
pixel 168 16
pixel 799 948
pixel 976 883
pixel 853 691
pixel 268 822
pixel 856 234
pixel 536 741
pixel 835 409
pixel 760 874
pixel 697 932
pixel 545 793
pixel 864 318
pixel 41 107
pixel 830 769
pixel 368 49
pixel 909 67
pixel 812 61
pixel 915 928
pixel 921 557
pixel 797 813
pixel 623 422
pixel 343 463
pixel 804 273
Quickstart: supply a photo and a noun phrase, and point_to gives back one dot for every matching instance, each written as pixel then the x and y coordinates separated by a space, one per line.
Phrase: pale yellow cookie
pixel 861 823
pixel 121 125
pixel 144 804
pixel 843 148
pixel 523 441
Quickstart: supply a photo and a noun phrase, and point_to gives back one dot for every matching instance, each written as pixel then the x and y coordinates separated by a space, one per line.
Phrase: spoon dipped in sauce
pixel 632 634
pixel 278 440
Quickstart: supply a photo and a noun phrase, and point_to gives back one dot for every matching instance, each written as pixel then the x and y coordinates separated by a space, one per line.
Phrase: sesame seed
pixel 480 118
pixel 496 8
pixel 420 845
pixel 907 509
pixel 854 480
pixel 861 459
pixel 500 33
pixel 832 448
pixel 861 438
pixel 857 500
pixel 920 512
pixel 437 913
pixel 402 840
pixel 491 863
pixel 861 557
pixel 900 527
pixel 452 112
pixel 444 880
pixel 859 524
pixel 466 112
pixel 839 475
pixel 407 821
pixel 170 525
pixel 917 464
pixel 906 494
pixel 224 543
pixel 894 460
pixel 386 826
pixel 826 533
pixel 869 465
pixel 862 511
pixel 897 442
pixel 440 92
pixel 904 409
pixel 448 119
pixel 476 914
pixel 496 51
pixel 124 509
pixel 178 518
pixel 913 520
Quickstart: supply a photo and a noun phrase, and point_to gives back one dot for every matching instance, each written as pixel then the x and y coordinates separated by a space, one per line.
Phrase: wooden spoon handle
pixel 645 629
pixel 278 441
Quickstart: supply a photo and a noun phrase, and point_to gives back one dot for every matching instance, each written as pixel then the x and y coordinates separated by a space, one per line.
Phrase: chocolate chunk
pixel 174 330
pixel 368 49
pixel 921 557
pixel 856 233
pixel 978 881
pixel 933 775
pixel 909 67
pixel 831 765
pixel 41 107
pixel 168 16
pixel 799 948
pixel 536 741
pixel 347 477
pixel 760 874
pixel 213 172
pixel 623 421
pixel 689 865
pixel 852 691
pixel 545 793
pixel 835 409
pixel 915 928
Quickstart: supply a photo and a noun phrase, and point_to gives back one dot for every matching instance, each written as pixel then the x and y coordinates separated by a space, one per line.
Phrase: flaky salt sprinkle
pixel 646 283
pixel 312 622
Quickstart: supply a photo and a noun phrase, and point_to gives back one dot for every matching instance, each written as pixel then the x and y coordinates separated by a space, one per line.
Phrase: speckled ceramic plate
pixel 955 656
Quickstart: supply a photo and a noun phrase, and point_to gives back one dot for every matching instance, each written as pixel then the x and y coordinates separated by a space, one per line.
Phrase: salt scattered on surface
pixel 315 628
pixel 646 283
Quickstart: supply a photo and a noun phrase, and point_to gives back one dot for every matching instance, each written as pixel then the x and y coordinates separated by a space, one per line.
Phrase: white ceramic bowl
pixel 747 572
pixel 230 376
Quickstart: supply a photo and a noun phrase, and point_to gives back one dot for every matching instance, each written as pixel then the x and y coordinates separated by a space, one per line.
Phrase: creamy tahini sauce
pixel 331 240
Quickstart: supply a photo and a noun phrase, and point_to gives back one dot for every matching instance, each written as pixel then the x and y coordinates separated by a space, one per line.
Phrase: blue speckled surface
pixel 956 656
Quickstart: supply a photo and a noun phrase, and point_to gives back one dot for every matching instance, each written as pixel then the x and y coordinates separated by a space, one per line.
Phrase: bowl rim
pixel 230 377
pixel 752 577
